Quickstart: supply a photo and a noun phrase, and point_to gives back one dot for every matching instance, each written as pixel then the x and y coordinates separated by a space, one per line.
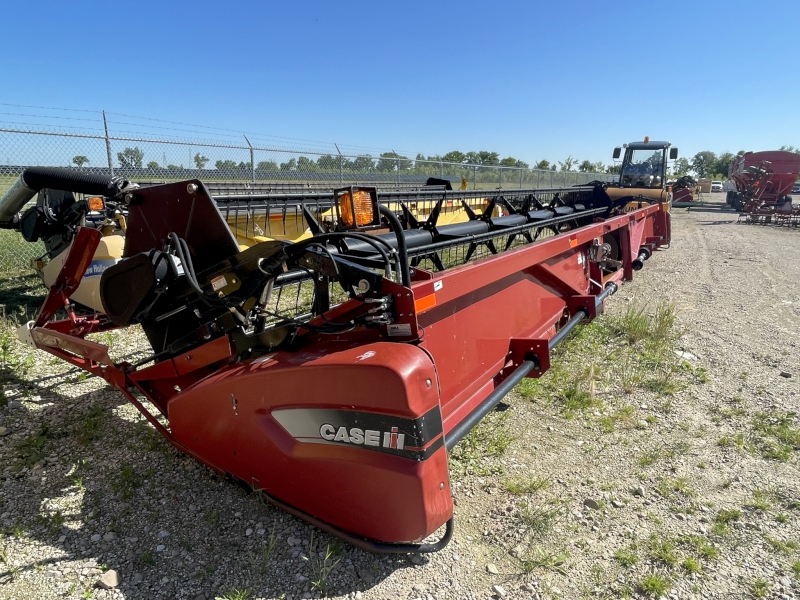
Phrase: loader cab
pixel 644 164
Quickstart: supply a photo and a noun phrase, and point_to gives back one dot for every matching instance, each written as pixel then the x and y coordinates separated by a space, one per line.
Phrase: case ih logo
pixel 364 437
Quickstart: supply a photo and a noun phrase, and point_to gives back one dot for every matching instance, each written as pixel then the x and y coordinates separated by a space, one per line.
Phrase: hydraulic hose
pixel 34 179
pixel 402 249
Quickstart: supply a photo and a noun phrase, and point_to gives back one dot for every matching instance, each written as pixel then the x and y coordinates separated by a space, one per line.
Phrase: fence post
pixel 441 169
pixel 341 166
pixel 474 176
pixel 252 160
pixel 520 179
pixel 108 146
pixel 500 177
pixel 398 172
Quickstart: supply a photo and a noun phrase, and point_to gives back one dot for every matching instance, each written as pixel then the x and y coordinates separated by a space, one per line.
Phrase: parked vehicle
pixel 762 178
pixel 716 186
pixel 643 173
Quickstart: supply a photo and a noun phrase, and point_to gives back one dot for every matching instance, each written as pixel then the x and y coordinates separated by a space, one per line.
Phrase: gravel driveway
pixel 688 489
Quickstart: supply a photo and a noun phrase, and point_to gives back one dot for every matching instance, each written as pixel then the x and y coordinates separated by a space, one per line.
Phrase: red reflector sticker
pixel 573 242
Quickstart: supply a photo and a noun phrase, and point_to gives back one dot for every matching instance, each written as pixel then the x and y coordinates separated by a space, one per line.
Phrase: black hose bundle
pixel 34 179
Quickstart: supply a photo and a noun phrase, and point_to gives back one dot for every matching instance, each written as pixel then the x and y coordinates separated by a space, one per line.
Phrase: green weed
pixel 654 584
pixel 527 485
pixel 627 557
pixel 544 559
pixel 691 565
pixel 321 564
pixel 759 588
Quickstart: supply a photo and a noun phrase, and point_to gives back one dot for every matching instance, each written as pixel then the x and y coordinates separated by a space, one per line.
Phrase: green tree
pixel 389 161
pixel 567 163
pixel 790 149
pixel 703 163
pixel 244 166
pixel 681 166
pixel 174 167
pixel 290 165
pixel 267 165
pixel 586 166
pixel 542 164
pixel 79 160
pixel 152 165
pixel 225 165
pixel 130 158
pixel 723 162
pixel 362 164
pixel 510 161
pixel 326 162
pixel 200 161
pixel 454 157
pixel 306 165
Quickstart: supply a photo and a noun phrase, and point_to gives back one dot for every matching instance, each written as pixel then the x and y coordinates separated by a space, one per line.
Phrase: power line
pixel 49 108
pixel 48 117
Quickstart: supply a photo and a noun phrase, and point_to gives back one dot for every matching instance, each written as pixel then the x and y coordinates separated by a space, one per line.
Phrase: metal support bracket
pixel 537 350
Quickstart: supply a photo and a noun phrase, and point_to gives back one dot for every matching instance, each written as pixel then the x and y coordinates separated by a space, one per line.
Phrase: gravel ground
pixel 685 489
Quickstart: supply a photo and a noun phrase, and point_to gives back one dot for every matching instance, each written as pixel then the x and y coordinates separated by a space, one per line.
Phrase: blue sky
pixel 531 80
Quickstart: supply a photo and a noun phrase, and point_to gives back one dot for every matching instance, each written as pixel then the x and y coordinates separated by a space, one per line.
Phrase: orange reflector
pixel 573 242
pixel 424 303
pixel 361 204
pixel 96 203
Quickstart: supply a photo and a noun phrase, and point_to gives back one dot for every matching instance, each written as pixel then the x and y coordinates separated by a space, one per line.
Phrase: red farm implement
pixel 335 373
pixel 763 182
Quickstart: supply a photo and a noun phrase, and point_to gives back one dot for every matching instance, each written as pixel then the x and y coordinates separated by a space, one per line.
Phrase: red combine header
pixel 335 373
pixel 763 182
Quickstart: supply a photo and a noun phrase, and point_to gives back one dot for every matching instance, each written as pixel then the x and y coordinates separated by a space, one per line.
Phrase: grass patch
pixel 543 559
pixel 775 436
pixel 701 546
pixel 627 557
pixel 781 546
pixel 539 520
pixel 527 486
pixel 321 564
pixel 491 438
pixel 727 516
pixel 88 429
pixel 663 551
pixel 667 486
pixel 727 441
pixel 759 588
pixel 691 565
pixel 654 585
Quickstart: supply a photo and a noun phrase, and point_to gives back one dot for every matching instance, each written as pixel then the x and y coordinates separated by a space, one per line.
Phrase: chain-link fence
pixel 161 159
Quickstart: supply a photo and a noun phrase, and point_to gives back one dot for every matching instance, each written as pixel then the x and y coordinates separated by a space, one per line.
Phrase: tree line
pixel 386 162
pixel 704 164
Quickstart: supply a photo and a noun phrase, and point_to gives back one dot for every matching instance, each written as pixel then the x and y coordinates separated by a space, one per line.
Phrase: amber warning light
pixel 357 208
pixel 96 203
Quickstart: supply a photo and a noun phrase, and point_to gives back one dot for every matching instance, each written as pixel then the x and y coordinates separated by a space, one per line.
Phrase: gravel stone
pixel 109 580
pixel 499 591
pixel 593 504
pixel 491 568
